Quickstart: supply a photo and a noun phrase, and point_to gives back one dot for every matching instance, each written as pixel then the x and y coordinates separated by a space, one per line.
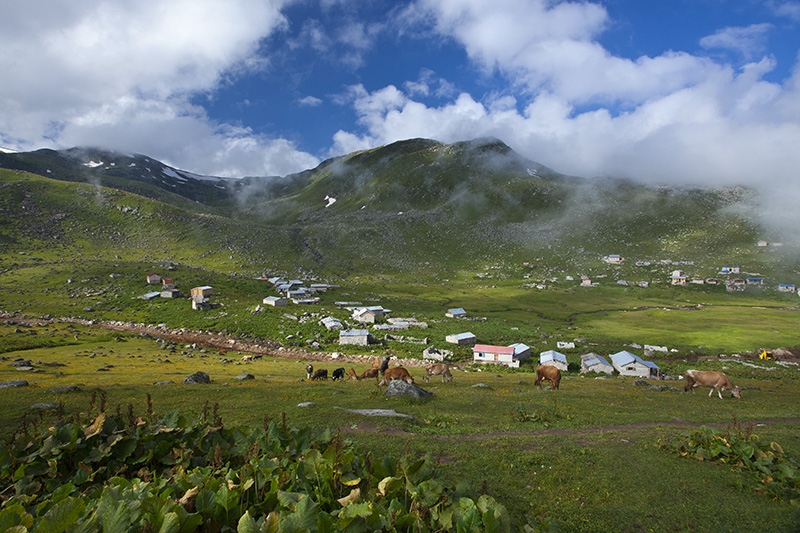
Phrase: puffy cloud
pixel 122 75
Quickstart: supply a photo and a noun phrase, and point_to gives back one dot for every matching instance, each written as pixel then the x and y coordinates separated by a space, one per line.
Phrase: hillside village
pixel 369 325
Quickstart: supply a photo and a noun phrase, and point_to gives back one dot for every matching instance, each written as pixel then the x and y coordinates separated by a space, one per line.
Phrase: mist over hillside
pixel 417 205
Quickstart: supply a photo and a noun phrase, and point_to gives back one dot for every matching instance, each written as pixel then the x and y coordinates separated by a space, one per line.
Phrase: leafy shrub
pixel 778 474
pixel 122 473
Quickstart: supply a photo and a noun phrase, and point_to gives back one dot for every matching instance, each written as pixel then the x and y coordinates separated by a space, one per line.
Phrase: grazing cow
pixel 438 369
pixel 385 365
pixel 309 371
pixel 338 374
pixel 352 374
pixel 397 372
pixel 247 358
pixel 319 374
pixel 550 373
pixel 369 373
pixel 710 378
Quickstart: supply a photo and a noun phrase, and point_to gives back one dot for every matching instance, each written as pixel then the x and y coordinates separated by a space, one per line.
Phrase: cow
pixel 369 373
pixel 385 365
pixel 319 374
pixel 352 374
pixel 438 369
pixel 338 374
pixel 710 378
pixel 549 373
pixel 247 358
pixel 397 372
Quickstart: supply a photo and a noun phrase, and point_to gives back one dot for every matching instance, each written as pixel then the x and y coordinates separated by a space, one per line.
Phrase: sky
pixel 663 91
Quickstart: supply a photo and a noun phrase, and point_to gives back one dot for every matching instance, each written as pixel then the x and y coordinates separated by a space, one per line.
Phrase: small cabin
pixel 203 291
pixel 153 278
pixel 456 312
pixel 678 277
pixel 628 364
pixel 275 301
pixel 592 362
pixel 358 337
pixel 521 351
pixel 462 339
pixel 554 358
pixel 498 355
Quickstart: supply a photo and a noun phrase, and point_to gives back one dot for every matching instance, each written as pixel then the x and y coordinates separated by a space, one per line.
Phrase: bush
pixel 176 475
pixel 778 474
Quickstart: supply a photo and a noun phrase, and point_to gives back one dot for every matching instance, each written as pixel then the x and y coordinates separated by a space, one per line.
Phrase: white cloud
pixel 749 41
pixel 673 118
pixel 789 9
pixel 309 101
pixel 122 74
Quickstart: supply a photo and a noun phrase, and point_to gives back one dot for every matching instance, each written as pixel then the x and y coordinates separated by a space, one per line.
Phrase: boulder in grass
pixel 244 377
pixel 13 384
pixel 197 378
pixel 44 406
pixel 398 387
pixel 66 388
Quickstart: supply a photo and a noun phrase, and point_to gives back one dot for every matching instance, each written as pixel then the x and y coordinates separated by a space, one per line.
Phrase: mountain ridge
pixel 417 204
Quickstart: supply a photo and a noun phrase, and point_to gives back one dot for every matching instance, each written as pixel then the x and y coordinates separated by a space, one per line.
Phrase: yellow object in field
pixel 765 355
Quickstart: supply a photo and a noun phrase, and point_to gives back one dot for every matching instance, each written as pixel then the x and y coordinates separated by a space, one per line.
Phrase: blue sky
pixel 663 91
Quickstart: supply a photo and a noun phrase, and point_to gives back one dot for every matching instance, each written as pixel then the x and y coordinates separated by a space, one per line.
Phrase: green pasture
pixel 584 458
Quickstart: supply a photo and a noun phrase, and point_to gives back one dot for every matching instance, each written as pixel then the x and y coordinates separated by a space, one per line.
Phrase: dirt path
pixel 216 341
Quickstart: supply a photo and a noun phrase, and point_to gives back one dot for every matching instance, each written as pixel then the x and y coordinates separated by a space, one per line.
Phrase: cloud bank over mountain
pixel 272 87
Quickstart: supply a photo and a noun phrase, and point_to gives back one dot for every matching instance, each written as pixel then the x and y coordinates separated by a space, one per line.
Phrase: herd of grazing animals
pixel 717 381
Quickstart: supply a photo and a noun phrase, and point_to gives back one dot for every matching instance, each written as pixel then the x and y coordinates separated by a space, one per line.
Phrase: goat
pixel 319 374
pixel 710 378
pixel 437 369
pixel 397 372
pixel 338 374
pixel 549 373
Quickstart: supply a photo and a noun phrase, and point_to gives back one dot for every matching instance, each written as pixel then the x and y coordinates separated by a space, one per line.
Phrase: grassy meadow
pixel 588 457
pixel 585 457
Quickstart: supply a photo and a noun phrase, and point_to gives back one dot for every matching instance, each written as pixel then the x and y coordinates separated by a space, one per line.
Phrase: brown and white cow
pixel 549 373
pixel 710 378
pixel 352 374
pixel 397 372
pixel 438 369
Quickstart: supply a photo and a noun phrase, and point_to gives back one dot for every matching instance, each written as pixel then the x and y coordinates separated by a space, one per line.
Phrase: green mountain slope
pixel 409 208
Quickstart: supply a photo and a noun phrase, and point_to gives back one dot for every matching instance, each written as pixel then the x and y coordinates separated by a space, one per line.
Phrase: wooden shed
pixel 203 291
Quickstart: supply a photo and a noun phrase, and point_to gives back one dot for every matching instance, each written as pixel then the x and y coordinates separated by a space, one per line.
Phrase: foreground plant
pixel 777 473
pixel 123 473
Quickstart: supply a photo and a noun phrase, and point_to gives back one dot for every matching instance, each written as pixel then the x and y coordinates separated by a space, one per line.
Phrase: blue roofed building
pixel 628 364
